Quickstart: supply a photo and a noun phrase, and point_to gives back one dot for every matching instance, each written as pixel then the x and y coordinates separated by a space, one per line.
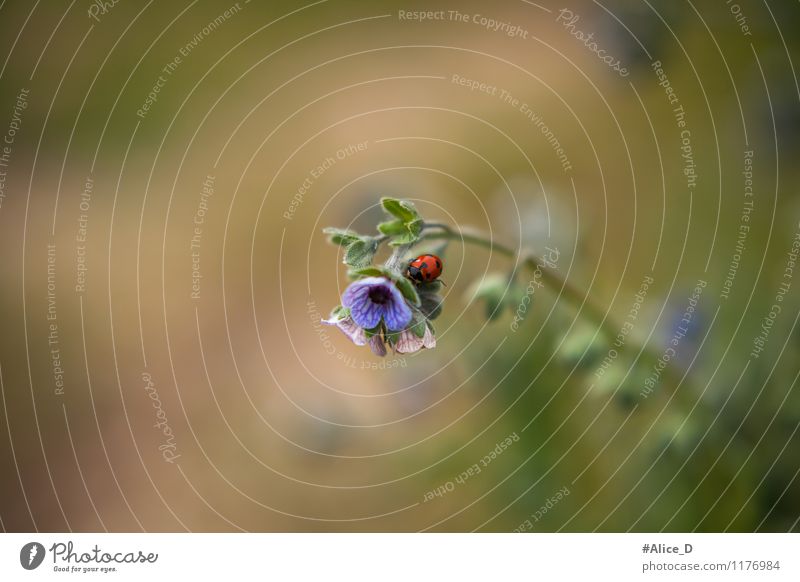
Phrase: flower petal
pixel 357 291
pixel 350 329
pixel 366 314
pixel 408 343
pixel 377 346
pixel 429 340
pixel 397 314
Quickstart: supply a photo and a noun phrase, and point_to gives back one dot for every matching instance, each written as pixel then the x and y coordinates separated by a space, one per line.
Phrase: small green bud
pixel 583 345
pixel 495 290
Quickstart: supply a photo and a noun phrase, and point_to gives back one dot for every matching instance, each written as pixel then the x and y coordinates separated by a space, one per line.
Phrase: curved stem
pixel 575 296
pixel 396 261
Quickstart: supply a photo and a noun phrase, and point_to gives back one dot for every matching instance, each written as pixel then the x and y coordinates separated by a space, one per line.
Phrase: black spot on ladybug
pixel 438 264
pixel 423 265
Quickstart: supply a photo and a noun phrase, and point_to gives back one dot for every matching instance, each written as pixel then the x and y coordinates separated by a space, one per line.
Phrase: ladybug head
pixel 414 272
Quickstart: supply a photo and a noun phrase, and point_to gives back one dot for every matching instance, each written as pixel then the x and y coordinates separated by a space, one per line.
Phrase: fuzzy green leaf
pixel 360 252
pixel 402 209
pixel 410 235
pixel 341 236
pixel 406 225
pixel 392 227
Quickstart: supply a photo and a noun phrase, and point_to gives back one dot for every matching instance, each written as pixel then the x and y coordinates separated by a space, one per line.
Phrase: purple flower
pixel 349 328
pixel 371 298
pixel 408 342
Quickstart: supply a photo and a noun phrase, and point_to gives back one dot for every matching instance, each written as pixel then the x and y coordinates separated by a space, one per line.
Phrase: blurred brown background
pixel 274 423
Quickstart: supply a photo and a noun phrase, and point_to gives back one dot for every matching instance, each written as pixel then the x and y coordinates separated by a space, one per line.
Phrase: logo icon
pixel 31 555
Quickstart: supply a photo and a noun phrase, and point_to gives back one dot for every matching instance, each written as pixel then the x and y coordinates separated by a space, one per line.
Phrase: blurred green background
pixel 164 272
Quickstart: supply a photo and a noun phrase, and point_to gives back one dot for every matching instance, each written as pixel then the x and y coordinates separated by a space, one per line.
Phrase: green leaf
pixel 392 227
pixel 360 252
pixel 402 209
pixel 418 325
pixel 406 226
pixel 407 289
pixel 410 235
pixel 341 236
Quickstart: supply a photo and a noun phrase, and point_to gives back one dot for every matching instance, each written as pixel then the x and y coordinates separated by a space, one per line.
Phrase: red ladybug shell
pixel 424 268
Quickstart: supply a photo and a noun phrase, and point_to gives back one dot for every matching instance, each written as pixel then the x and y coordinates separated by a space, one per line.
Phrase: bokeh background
pixel 164 272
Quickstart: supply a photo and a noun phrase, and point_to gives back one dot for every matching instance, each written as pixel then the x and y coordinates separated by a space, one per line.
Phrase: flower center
pixel 380 295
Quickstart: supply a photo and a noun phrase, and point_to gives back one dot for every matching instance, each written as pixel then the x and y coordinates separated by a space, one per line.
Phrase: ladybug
pixel 424 269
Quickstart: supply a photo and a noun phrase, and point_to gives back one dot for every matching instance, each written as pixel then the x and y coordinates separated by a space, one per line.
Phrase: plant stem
pixel 575 296
pixel 570 292
pixel 395 262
